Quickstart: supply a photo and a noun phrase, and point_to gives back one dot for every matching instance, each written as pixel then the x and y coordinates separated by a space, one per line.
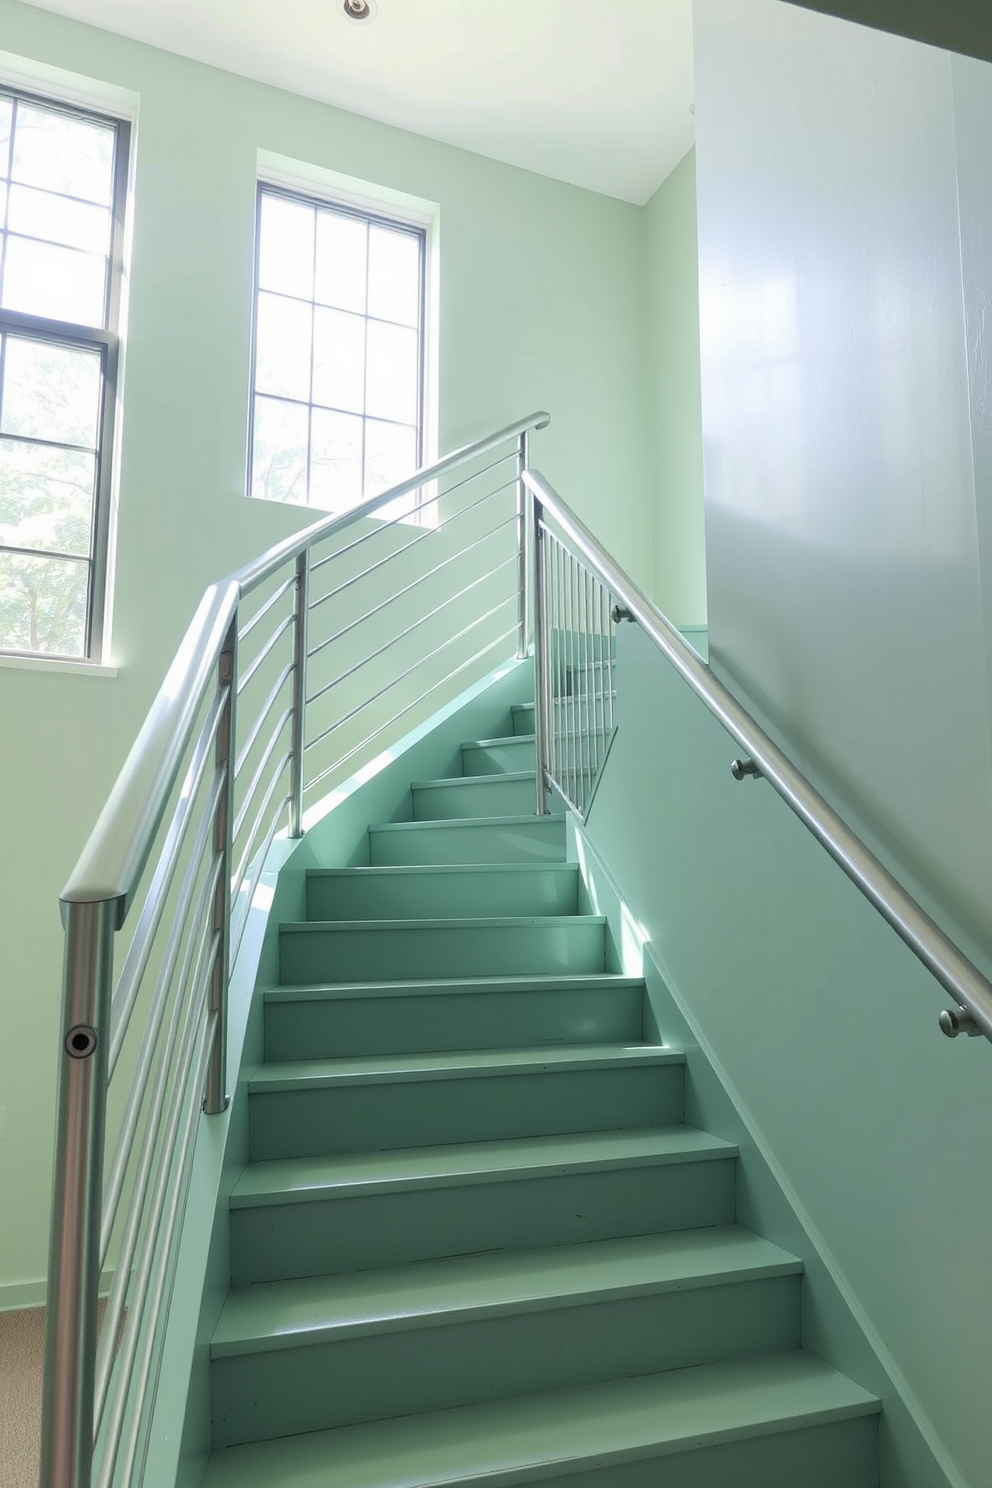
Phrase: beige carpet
pixel 22 1343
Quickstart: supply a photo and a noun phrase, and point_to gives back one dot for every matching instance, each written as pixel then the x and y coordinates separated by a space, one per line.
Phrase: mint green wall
pixel 541 305
pixel 823 1030
pixel 674 417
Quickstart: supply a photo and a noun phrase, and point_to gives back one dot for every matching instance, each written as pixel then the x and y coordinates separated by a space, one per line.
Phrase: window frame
pixel 108 340
pixel 370 213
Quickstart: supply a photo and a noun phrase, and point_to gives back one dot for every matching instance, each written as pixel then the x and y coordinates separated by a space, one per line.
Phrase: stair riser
pixel 426 893
pixel 423 1024
pixel 538 840
pixel 841 1454
pixel 352 1117
pixel 522 718
pixel 382 954
pixel 282 1392
pixel 363 1232
pixel 458 800
pixel 505 758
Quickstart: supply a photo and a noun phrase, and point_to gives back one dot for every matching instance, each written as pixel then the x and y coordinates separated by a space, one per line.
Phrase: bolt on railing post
pixel 301 619
pixel 215 1098
pixel 541 701
pixel 523 547
pixel 74 1257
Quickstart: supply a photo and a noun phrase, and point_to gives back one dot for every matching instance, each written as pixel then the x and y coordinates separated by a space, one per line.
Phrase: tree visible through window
pixel 336 409
pixel 62 174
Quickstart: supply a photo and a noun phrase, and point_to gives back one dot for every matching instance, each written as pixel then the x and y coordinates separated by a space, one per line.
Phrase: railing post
pixel 74 1257
pixel 298 722
pixel 215 1097
pixel 523 545
pixel 541 705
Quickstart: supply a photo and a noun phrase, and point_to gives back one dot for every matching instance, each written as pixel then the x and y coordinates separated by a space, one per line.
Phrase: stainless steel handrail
pixel 213 754
pixel 971 991
pixel 118 848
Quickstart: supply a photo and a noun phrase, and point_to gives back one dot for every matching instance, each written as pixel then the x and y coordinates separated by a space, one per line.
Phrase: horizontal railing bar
pixel 420 620
pixel 161 1277
pixel 250 882
pixel 402 676
pixel 257 726
pixel 263 610
pixel 186 1011
pixel 266 651
pixel 239 877
pixel 249 795
pixel 924 937
pixel 113 860
pixel 193 1065
pixel 262 568
pixel 435 687
pixel 114 1182
pixel 384 526
pixel 397 553
pixel 136 960
pixel 398 593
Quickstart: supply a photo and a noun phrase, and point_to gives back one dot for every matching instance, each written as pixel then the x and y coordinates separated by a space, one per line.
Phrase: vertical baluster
pixel 301 622
pixel 215 1097
pixel 74 1257
pixel 541 708
pixel 524 536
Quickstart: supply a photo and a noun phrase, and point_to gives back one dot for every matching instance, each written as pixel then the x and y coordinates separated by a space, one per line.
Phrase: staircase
pixel 476 1242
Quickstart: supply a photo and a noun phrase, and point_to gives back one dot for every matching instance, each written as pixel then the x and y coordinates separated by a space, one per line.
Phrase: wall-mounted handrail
pixel 971 991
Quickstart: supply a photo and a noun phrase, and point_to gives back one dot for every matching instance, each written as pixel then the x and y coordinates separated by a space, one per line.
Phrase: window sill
pixel 57 664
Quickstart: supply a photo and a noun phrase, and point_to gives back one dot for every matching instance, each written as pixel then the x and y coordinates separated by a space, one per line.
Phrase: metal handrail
pixel 211 753
pixel 970 989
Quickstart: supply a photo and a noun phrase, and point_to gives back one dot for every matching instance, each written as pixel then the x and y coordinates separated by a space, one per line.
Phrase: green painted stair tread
pixel 503 739
pixel 506 838
pixel 540 1435
pixel 454 987
pixel 468 1063
pixel 285 1314
pixel 309 1179
pixel 445 782
pixel 473 922
pixel 418 890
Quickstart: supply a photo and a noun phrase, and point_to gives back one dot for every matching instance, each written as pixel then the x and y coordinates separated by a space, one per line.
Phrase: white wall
pixel 848 543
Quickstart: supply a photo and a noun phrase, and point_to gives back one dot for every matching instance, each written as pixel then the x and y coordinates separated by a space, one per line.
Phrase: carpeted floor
pixel 22 1339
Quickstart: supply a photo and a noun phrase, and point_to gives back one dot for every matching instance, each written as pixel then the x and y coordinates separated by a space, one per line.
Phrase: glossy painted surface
pixel 487 755
pixel 848 588
pixel 473 796
pixel 605 1425
pixel 822 1029
pixel 512 840
pixel 404 893
pixel 403 1018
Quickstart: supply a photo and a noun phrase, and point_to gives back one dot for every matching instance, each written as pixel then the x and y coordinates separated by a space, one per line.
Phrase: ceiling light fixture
pixel 360 11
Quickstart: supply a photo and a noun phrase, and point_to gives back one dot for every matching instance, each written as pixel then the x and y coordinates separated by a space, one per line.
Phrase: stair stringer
pixel 179 1442
pixel 830 1324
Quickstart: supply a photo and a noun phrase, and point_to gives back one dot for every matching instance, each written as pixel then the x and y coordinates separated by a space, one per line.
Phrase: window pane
pixel 3 198
pixel 40 214
pixel 62 153
pixel 336 461
pixel 339 359
pixel 392 383
pixel 46 497
pixel 58 283
pixel 43 604
pixel 342 247
pixel 285 248
pixel 394 275
pixel 390 455
pixel 282 347
pixel 279 453
pixel 51 392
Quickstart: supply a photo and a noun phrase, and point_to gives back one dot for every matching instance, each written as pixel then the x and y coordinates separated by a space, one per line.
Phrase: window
pixel 63 175
pixel 337 405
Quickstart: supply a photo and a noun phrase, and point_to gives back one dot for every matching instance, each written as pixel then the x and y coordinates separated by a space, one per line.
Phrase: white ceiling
pixel 595 92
